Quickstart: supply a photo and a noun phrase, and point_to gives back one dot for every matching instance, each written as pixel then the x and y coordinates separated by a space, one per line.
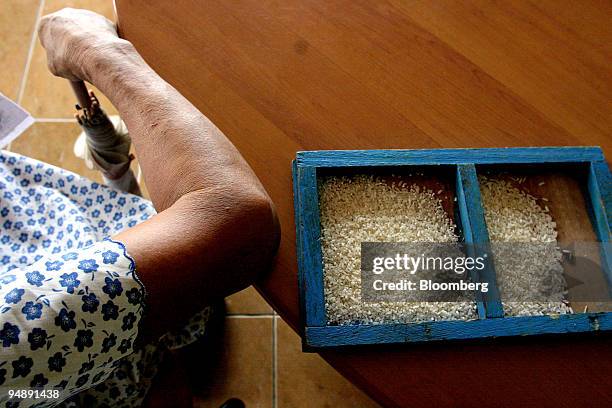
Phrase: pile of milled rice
pixel 364 208
pixel 531 267
pixel 368 209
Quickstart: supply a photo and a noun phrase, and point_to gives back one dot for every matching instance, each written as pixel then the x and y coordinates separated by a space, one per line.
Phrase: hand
pixel 75 40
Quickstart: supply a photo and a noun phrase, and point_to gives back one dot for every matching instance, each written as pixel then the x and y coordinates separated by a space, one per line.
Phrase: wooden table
pixel 283 76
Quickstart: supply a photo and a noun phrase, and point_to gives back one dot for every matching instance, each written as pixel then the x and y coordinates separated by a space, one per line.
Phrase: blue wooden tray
pixel 491 322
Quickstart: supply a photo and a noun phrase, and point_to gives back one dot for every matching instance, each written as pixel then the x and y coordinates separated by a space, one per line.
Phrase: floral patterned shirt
pixel 70 300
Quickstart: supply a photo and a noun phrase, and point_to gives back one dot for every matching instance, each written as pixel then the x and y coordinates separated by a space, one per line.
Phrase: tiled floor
pixel 260 360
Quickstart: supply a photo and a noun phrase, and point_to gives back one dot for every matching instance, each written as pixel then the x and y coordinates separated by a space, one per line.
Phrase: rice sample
pixel 368 209
pixel 515 216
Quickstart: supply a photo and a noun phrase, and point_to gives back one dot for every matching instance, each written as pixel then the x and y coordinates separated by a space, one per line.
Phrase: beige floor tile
pixel 17 20
pixel 244 368
pixel 306 380
pixel 52 143
pixel 247 301
pixel 46 96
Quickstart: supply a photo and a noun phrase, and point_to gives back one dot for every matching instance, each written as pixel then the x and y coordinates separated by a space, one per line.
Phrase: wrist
pixel 121 74
pixel 100 62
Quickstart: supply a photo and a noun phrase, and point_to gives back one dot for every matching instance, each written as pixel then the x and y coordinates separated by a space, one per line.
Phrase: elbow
pixel 258 234
pixel 255 233
pixel 246 232
pixel 265 225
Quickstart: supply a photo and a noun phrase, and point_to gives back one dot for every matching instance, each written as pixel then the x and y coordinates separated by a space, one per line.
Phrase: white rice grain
pixel 514 216
pixel 367 209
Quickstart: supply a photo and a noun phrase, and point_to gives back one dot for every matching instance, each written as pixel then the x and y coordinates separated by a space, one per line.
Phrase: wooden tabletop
pixel 282 76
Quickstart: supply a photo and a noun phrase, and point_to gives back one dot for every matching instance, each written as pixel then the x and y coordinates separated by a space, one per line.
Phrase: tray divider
pixel 476 237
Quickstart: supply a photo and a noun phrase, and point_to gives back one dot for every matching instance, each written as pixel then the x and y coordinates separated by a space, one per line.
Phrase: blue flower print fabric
pixel 67 321
pixel 70 303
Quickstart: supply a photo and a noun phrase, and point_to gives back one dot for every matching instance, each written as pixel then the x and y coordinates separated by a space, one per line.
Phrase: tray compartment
pixel 562 191
pixel 384 204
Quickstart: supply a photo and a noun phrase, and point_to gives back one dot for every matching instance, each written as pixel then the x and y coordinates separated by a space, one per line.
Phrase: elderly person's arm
pixel 216 229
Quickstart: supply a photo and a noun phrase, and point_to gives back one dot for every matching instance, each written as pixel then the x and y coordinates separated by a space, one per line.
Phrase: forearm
pixel 216 229
pixel 178 148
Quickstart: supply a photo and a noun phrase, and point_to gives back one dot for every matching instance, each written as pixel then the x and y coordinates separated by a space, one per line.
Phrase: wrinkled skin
pixel 71 36
pixel 214 217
